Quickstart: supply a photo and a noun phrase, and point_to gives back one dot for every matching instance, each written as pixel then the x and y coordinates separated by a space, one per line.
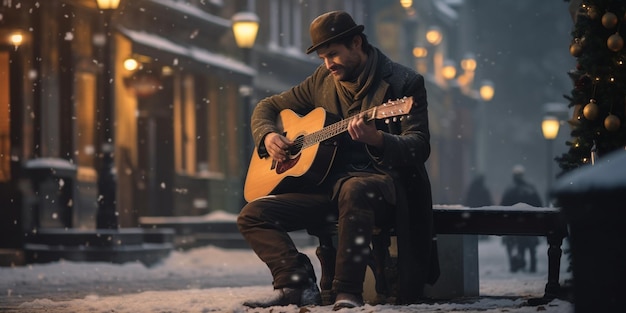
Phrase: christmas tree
pixel 598 98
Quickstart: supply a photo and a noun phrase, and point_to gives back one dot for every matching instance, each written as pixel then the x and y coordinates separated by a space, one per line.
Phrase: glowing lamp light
pixel 468 63
pixel 434 36
pixel 406 3
pixel 108 4
pixel 449 70
pixel 550 127
pixel 167 71
pixel 420 52
pixel 16 39
pixel 486 91
pixel 131 64
pixel 245 28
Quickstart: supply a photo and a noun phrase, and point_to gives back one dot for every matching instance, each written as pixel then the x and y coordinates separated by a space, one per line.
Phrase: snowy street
pixel 211 279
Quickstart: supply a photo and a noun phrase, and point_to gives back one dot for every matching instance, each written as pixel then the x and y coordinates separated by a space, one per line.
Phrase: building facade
pixel 175 126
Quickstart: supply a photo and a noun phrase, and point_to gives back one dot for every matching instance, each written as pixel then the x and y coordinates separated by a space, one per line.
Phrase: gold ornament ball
pixel 615 42
pixel 611 123
pixel 609 20
pixel 590 111
pixel 575 49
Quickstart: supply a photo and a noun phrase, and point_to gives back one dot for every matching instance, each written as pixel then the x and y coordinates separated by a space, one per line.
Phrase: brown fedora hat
pixel 332 26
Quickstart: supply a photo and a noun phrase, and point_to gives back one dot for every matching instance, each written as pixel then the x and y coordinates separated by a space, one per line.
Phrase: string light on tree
pixel 593 12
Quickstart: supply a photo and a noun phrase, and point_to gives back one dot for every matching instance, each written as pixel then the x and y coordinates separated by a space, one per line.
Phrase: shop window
pixel 85 129
pixel 197 127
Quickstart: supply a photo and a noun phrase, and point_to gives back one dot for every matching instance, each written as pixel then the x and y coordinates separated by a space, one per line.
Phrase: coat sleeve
pixel 300 99
pixel 412 144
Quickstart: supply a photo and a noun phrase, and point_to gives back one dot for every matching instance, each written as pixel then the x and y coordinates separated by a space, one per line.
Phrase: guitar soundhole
pixel 297 147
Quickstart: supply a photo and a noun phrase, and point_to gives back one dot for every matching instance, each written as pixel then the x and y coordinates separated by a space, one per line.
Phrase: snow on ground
pixel 211 279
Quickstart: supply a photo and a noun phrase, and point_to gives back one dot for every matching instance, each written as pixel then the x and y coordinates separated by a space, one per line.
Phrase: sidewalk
pixel 211 279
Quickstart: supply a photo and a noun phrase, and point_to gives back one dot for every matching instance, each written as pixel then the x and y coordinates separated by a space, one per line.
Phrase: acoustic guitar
pixel 311 156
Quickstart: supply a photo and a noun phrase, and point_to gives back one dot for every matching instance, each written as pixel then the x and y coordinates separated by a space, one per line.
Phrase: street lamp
pixel 245 28
pixel 108 4
pixel 486 91
pixel 468 64
pixel 550 129
pixel 434 35
pixel 449 70
pixel 106 217
pixel 16 38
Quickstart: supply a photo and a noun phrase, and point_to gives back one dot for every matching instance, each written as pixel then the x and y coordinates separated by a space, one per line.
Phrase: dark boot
pixel 306 295
pixel 347 301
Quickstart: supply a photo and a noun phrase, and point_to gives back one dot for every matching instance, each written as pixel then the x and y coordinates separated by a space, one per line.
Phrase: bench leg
pixel 554 265
pixel 327 254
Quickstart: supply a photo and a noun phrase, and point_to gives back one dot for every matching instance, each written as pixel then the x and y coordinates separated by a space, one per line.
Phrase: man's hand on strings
pixel 362 130
pixel 277 146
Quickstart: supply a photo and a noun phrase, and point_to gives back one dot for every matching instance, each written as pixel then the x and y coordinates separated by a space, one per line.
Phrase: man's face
pixel 343 62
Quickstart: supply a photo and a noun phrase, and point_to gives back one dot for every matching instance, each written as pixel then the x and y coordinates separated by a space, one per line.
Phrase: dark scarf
pixel 351 92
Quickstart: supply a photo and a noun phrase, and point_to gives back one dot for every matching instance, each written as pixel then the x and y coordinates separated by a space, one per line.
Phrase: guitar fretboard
pixel 389 109
pixel 325 133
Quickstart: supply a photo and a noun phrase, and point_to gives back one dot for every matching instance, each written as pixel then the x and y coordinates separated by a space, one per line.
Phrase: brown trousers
pixel 358 207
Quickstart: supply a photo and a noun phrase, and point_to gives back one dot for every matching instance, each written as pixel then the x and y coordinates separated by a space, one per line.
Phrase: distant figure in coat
pixel 478 195
pixel 516 246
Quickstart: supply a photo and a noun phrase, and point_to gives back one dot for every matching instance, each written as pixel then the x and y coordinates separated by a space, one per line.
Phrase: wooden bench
pixel 518 220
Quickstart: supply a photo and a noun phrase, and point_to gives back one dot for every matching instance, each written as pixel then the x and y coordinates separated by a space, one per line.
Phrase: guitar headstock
pixel 393 108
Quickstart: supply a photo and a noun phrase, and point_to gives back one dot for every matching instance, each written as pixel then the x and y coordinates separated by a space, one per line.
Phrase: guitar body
pixel 307 166
pixel 312 154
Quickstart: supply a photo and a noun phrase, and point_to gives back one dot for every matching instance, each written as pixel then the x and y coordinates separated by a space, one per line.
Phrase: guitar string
pixel 324 133
pixel 331 130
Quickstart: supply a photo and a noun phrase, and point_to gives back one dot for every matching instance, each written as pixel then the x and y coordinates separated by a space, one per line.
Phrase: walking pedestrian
pixel 478 195
pixel 521 191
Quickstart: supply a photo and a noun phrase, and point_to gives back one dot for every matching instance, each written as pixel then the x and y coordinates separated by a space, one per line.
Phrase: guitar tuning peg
pixel 395 119
pixel 386 121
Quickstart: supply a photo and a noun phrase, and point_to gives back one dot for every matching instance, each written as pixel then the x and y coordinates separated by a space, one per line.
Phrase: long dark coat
pixel 406 149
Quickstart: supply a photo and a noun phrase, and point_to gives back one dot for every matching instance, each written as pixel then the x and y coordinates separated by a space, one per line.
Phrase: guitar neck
pixel 329 131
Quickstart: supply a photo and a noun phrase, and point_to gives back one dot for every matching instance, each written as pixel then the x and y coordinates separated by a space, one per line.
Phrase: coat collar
pixel 376 97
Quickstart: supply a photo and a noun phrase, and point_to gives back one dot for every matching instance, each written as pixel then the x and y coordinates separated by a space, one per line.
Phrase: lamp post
pixel 466 80
pixel 485 93
pixel 550 129
pixel 245 27
pixel 106 217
